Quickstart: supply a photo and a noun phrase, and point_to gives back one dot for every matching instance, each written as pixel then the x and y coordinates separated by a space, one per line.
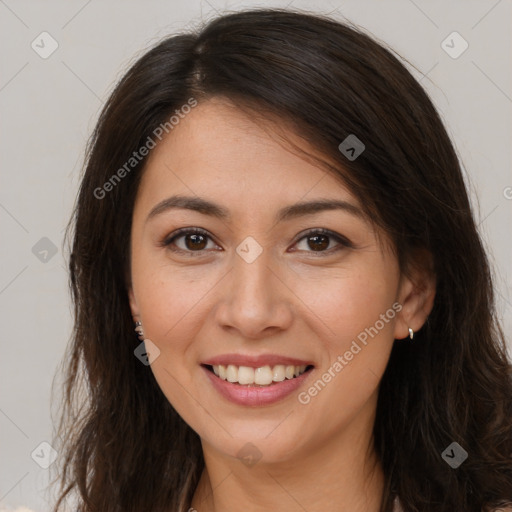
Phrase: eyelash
pixel 168 241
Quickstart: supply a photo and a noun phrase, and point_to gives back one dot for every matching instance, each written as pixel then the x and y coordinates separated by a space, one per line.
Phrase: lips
pixel 256 361
pixel 256 380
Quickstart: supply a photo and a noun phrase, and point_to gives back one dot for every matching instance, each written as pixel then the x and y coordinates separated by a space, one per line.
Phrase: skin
pixel 292 300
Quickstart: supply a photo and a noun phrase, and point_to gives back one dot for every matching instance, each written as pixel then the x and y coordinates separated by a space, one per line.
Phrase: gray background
pixel 49 107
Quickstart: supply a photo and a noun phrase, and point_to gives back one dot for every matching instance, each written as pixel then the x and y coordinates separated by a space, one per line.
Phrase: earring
pixel 138 330
pixel 411 333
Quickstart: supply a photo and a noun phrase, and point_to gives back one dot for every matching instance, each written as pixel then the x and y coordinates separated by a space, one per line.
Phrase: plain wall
pixel 49 108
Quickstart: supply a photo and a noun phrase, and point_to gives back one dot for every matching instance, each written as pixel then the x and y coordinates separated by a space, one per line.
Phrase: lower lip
pixel 255 395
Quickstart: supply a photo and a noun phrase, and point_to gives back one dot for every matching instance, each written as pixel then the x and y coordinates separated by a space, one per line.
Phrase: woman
pixel 275 207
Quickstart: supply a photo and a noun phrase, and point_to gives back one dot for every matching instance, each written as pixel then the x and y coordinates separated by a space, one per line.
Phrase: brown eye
pixel 323 241
pixel 195 242
pixel 318 242
pixel 189 240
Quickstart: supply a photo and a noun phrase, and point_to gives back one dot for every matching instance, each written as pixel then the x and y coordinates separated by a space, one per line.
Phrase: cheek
pixel 170 304
pixel 350 302
pixel 355 311
pixel 356 314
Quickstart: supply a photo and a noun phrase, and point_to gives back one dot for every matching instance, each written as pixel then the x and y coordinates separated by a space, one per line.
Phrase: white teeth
pixel 299 370
pixel 232 373
pixel 278 373
pixel 262 376
pixel 245 375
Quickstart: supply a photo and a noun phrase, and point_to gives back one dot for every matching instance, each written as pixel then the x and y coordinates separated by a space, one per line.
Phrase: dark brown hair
pixel 126 448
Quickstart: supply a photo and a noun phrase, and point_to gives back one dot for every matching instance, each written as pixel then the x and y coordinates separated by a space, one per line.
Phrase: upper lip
pixel 256 361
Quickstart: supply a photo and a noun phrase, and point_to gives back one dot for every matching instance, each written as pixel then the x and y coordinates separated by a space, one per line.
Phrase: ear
pixel 416 294
pixel 133 303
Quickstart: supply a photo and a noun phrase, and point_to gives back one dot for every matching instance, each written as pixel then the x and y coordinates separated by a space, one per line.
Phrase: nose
pixel 255 300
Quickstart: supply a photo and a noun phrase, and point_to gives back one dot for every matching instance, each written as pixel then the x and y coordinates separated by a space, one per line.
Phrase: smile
pixel 262 376
pixel 256 387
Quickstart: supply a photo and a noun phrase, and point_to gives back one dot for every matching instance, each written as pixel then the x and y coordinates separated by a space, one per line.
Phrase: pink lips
pixel 255 361
pixel 254 395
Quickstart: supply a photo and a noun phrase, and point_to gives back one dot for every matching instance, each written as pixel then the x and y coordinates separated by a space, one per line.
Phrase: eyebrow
pixel 206 207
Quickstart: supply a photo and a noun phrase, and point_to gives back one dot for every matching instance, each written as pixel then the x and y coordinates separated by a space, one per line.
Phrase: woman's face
pixel 261 289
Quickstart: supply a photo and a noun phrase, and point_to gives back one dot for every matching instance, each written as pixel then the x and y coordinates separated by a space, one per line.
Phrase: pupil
pixel 197 241
pixel 319 242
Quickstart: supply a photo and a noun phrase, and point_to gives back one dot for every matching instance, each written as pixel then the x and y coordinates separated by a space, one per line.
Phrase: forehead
pixel 218 150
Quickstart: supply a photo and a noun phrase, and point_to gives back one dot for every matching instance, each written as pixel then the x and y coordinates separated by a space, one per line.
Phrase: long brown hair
pixel 125 448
